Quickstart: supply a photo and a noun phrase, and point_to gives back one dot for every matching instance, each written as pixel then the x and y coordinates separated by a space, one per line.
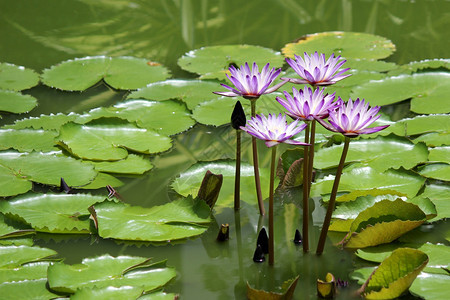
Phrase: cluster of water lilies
pixel 309 104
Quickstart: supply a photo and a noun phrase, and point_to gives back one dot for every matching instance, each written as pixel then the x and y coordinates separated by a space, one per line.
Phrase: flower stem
pixel 306 192
pixel 327 220
pixel 311 154
pixel 256 166
pixel 271 231
pixel 237 177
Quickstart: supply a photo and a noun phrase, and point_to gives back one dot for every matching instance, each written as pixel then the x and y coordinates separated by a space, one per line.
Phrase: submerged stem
pixel 237 177
pixel 327 220
pixel 256 166
pixel 271 230
pixel 306 192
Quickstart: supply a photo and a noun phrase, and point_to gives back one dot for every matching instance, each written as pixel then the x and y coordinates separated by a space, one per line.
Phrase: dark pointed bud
pixel 63 187
pixel 259 257
pixel 224 233
pixel 238 116
pixel 263 240
pixel 297 237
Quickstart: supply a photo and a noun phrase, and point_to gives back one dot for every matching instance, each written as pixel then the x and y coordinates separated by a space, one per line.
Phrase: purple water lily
pixel 273 129
pixel 308 105
pixel 315 70
pixel 250 83
pixel 352 118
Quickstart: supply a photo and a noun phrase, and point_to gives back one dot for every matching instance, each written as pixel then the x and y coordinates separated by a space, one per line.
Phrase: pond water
pixel 39 34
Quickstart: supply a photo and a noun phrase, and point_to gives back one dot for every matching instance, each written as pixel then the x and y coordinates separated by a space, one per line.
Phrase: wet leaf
pixel 395 274
pixel 213 62
pixel 346 44
pixel 132 164
pixel 56 213
pixel 424 124
pixel 287 293
pixel 18 170
pixel 15 256
pixel 434 139
pixel 436 171
pixel 431 286
pixel 179 219
pixel 326 289
pixel 440 196
pixel 17 78
pixel 104 271
pixel 7 231
pixel 46 122
pixel 110 141
pixel 15 102
pixel 415 66
pixel 102 180
pixel 439 154
pixel 109 292
pixel 126 73
pixel 426 90
pixel 27 140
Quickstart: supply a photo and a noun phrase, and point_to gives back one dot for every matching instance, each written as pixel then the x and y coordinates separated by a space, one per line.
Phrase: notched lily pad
pixel 17 78
pixel 28 140
pixel 213 62
pixel 132 164
pixel 125 73
pixel 15 256
pixel 437 171
pixel 45 122
pixel 287 293
pixel 425 64
pixel 15 102
pixel 424 124
pixel 346 44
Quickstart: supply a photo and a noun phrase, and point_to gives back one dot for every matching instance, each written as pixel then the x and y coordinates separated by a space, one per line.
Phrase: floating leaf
pixel 132 164
pixel 17 78
pixel 395 274
pixel 110 141
pixel 425 124
pixel 346 44
pixel 383 222
pixel 27 140
pixel 15 256
pixel 107 271
pixel 102 180
pixel 213 62
pixel 119 72
pixel 436 171
pixel 192 92
pixel 57 213
pixel 439 154
pixel 431 286
pixel 109 292
pixel 189 181
pixel 287 293
pixel 326 289
pixel 440 196
pixel 434 139
pixel 179 219
pixel 46 122
pixel 426 90
pixel 15 102
pixel 415 66
pixel 7 231
pixel 17 170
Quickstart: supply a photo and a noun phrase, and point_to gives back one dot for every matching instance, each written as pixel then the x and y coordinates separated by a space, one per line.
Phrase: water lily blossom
pixel 273 129
pixel 353 118
pixel 315 70
pixel 250 83
pixel 308 105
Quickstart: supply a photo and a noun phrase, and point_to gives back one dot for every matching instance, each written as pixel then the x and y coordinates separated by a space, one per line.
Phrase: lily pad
pixel 440 196
pixel 15 102
pixel 426 90
pixel 56 213
pixel 434 139
pixel 381 153
pixel 18 170
pixel 192 92
pixel 15 256
pixel 213 62
pixel 439 154
pixel 7 231
pixel 28 140
pixel 109 292
pixel 179 219
pixel 436 171
pixel 17 78
pixel 132 164
pixel 415 66
pixel 346 44
pixel 107 271
pixel 431 286
pixel 46 122
pixel 102 180
pixel 125 73
pixel 189 181
pixel 110 141
pixel 424 124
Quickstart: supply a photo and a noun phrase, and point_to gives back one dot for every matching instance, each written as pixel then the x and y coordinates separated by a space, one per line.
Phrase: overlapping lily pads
pixel 46 122
pixel 28 140
pixel 15 102
pixel 213 62
pixel 132 164
pixel 17 78
pixel 437 171
pixel 126 73
pixel 346 44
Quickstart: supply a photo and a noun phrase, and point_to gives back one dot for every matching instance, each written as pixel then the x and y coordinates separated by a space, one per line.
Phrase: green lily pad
pixel 424 124
pixel 213 62
pixel 15 102
pixel 380 153
pixel 192 92
pixel 436 171
pixel 431 286
pixel 369 65
pixel 57 213
pixel 395 274
pixel 346 44
pixel 439 154
pixel 18 170
pixel 28 271
pixel 110 141
pixel 132 164
pixel 102 180
pixel 440 196
pixel 15 256
pixel 179 219
pixel 415 66
pixel 188 183
pixel 27 140
pixel 434 139
pixel 109 292
pixel 45 122
pixel 7 231
pixel 17 78
pixel 382 223
pixel 125 73
pixel 363 177
pixel 426 90
pixel 107 271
